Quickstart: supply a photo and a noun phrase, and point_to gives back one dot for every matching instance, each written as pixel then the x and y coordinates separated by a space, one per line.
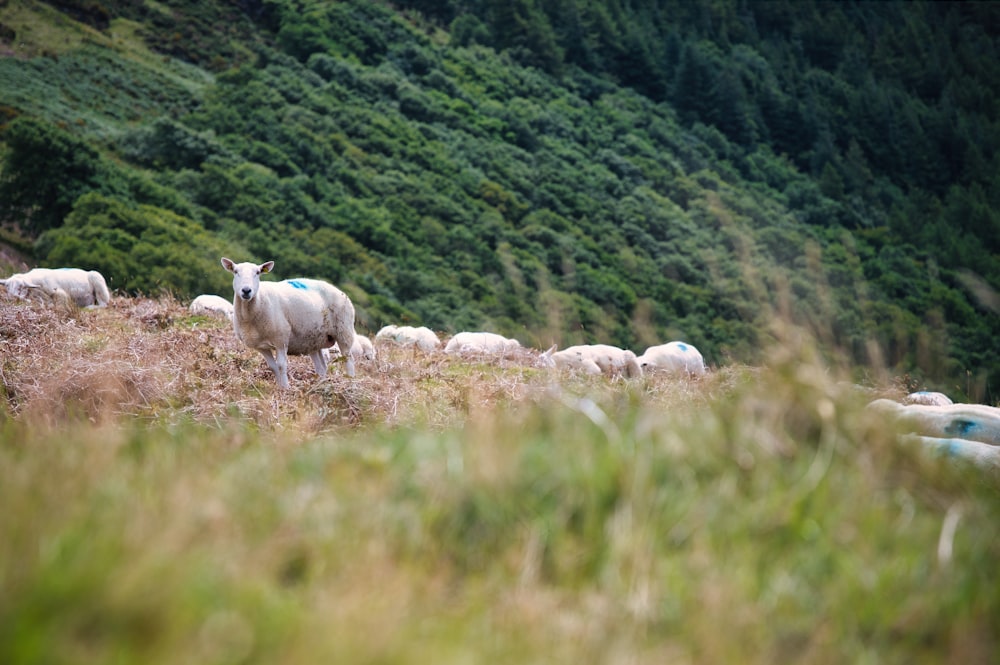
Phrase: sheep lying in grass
pixel 295 316
pixel 85 288
pixel 594 359
pixel 980 454
pixel 211 305
pixel 970 431
pixel 673 357
pixel 976 422
pixel 421 338
pixel 481 342
pixel 362 350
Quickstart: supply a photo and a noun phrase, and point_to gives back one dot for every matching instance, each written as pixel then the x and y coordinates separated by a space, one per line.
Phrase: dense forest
pixel 565 171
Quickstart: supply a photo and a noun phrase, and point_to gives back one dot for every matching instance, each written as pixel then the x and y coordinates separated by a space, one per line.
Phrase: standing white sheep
pixel 673 357
pixel 594 359
pixel 85 288
pixel 211 305
pixel 481 342
pixel 295 316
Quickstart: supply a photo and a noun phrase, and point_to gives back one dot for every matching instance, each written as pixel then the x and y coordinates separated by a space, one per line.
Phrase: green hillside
pixel 555 170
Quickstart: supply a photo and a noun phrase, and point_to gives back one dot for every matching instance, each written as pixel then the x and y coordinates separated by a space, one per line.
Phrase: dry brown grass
pixel 441 509
pixel 149 359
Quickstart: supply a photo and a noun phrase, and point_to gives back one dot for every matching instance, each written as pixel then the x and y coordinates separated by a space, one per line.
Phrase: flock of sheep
pixel 310 317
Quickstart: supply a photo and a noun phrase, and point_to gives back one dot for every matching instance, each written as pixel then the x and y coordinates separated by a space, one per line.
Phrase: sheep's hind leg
pixel 319 362
pixel 346 341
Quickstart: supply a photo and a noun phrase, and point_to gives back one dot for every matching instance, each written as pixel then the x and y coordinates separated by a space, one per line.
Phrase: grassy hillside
pixel 459 183
pixel 163 502
pixel 472 165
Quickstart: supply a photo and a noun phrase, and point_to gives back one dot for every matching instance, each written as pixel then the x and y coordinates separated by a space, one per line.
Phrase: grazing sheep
pixel 927 398
pixel 362 350
pixel 481 342
pixel 296 316
pixel 422 338
pixel 211 305
pixel 673 357
pixel 55 296
pixel 594 359
pixel 85 288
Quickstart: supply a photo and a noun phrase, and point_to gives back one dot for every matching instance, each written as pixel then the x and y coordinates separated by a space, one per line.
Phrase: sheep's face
pixel 16 286
pixel 246 277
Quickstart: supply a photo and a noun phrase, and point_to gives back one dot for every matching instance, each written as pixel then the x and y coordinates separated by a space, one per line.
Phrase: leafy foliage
pixel 560 170
pixel 143 249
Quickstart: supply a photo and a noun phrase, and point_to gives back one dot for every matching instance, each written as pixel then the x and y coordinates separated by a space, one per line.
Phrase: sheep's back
pixel 315 312
pixel 485 342
pixel 673 357
pixel 74 281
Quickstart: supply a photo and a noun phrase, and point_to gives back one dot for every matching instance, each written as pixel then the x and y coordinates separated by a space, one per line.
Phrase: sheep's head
pixel 16 286
pixel 545 358
pixel 246 277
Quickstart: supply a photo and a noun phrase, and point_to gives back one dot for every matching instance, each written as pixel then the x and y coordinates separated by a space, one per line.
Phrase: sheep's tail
pixel 100 289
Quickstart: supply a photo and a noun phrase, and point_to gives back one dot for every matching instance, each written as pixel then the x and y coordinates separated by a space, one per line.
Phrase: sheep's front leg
pixel 319 361
pixel 278 364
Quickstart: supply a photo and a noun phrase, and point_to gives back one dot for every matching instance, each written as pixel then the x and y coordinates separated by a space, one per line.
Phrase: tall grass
pixel 162 502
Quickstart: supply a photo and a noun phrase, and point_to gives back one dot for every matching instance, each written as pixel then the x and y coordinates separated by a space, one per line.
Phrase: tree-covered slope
pixel 559 171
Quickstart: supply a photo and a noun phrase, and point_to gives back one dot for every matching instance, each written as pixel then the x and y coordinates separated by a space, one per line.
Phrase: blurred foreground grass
pixel 756 516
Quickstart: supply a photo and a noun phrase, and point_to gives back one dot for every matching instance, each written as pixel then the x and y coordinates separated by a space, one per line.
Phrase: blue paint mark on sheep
pixel 682 346
pixel 960 427
pixel 296 284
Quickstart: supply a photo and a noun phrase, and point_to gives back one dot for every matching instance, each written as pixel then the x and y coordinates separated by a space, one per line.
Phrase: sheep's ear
pixel 267 267
pixel 227 264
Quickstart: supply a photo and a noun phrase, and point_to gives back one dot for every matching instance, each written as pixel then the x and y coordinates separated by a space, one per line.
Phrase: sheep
pixel 673 357
pixel 969 432
pixel 927 398
pixel 594 359
pixel 55 296
pixel 421 338
pixel 85 288
pixel 363 349
pixel 481 342
pixel 295 316
pixel 980 454
pixel 973 422
pixel 211 305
